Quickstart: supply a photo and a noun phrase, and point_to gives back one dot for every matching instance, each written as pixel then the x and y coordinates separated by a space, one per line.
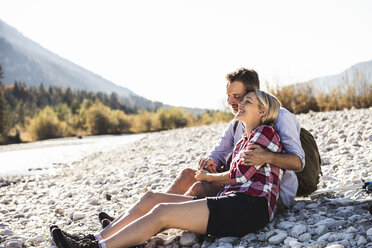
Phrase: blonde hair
pixel 270 103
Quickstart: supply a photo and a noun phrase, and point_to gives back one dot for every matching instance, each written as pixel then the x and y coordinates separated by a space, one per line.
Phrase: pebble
pixel 188 239
pixel 74 194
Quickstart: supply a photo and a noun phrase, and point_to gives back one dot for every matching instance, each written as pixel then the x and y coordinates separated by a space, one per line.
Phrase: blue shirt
pixel 288 128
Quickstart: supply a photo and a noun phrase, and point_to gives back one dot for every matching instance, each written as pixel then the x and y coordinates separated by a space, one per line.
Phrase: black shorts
pixel 236 214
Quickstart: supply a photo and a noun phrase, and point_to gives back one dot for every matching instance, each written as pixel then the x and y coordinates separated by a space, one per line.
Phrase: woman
pixel 246 204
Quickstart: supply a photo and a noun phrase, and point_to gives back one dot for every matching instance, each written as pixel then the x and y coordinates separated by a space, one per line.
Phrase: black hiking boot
pixel 105 219
pixel 72 236
pixel 103 215
pixel 105 222
pixel 64 241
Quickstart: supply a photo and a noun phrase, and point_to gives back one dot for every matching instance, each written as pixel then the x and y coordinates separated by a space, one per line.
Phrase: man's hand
pixel 207 164
pixel 256 155
pixel 202 175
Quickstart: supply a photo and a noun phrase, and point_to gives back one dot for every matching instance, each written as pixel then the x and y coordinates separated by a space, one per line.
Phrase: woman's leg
pixel 142 207
pixel 190 215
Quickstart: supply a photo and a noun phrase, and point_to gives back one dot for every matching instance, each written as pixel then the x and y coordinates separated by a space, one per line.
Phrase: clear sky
pixel 178 52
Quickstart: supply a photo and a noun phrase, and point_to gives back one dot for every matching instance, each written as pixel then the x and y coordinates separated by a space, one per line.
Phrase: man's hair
pixel 248 77
pixel 269 102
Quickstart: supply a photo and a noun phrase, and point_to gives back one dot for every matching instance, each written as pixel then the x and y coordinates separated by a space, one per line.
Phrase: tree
pixel 4 121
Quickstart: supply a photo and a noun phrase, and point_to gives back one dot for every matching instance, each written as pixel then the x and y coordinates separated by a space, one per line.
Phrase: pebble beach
pixel 72 195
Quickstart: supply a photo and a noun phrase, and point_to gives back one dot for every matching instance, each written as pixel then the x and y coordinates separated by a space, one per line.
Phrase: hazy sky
pixel 178 52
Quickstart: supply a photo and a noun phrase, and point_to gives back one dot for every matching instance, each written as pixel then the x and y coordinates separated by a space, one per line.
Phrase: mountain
pixel 26 61
pixel 356 74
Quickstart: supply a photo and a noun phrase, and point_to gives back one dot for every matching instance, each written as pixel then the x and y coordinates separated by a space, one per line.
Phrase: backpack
pixel 308 178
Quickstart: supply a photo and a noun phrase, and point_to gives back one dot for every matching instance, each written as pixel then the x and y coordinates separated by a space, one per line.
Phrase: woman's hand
pixel 202 175
pixel 207 164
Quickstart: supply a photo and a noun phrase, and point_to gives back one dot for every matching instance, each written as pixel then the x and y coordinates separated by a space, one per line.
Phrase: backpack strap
pixel 236 125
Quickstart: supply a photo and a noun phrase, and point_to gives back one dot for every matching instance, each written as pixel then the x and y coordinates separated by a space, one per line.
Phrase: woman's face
pixel 249 111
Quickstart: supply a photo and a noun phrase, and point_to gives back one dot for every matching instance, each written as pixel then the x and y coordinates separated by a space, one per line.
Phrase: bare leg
pixel 142 207
pixel 204 189
pixel 190 215
pixel 183 182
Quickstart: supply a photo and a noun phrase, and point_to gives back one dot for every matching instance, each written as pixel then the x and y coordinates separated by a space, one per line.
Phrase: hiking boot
pixel 75 237
pixel 64 241
pixel 103 215
pixel 59 238
pixel 105 222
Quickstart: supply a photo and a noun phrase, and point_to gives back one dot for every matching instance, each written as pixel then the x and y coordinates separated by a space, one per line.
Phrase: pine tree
pixel 2 105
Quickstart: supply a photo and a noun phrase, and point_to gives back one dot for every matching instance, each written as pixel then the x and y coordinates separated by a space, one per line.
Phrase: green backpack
pixel 308 178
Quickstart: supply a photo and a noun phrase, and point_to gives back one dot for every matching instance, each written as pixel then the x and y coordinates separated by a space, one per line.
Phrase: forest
pixel 29 113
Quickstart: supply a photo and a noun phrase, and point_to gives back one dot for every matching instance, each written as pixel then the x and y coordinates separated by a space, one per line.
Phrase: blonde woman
pixel 246 204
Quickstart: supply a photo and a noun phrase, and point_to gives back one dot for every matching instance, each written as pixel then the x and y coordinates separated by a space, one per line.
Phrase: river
pixel 35 157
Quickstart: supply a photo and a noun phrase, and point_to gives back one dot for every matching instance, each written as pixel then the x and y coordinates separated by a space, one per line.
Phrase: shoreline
pixel 74 194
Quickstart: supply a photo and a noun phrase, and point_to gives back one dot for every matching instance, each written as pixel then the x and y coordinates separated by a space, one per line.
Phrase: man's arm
pixel 225 146
pixel 288 128
pixel 256 155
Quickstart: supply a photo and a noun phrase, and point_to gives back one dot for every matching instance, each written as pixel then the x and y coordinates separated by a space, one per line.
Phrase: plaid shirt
pixel 258 181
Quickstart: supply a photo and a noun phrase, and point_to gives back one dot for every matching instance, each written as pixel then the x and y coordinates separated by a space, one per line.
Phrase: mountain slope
pixel 28 62
pixel 361 72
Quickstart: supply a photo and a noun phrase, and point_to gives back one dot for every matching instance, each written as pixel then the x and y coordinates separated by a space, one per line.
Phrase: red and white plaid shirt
pixel 258 181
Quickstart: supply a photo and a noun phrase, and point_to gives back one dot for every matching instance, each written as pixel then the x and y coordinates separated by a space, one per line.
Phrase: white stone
pixel 369 232
pixel 78 216
pixel 285 225
pixel 328 222
pixel 304 237
pixel 277 239
pixel 188 239
pixel 288 240
pixel 298 230
pixel 362 241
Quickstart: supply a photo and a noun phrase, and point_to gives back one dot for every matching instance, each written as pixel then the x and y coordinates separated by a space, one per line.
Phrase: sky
pixel 179 51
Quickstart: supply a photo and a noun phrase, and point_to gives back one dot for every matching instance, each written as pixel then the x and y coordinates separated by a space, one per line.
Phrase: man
pixel 287 126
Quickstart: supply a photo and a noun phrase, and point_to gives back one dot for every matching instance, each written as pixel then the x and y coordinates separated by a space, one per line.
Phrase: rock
pixel 369 232
pixel 352 230
pixel 324 237
pixel 36 240
pixel 78 216
pixel 13 244
pixel 250 237
pixel 94 201
pixel 6 232
pixel 285 225
pixel 298 230
pixel 227 240
pixel 188 239
pixel 328 222
pixel 288 240
pixel 362 241
pixel 304 237
pixel 277 239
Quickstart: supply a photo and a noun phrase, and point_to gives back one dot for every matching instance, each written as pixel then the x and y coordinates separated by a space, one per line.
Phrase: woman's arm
pixel 203 175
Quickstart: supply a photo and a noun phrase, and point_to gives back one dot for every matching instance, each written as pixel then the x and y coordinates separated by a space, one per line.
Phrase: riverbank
pixel 72 195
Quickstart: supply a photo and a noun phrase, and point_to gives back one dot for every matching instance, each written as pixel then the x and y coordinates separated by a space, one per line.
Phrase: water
pixel 30 158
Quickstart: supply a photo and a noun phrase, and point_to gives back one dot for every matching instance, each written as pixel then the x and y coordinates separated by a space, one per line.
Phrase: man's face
pixel 235 93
